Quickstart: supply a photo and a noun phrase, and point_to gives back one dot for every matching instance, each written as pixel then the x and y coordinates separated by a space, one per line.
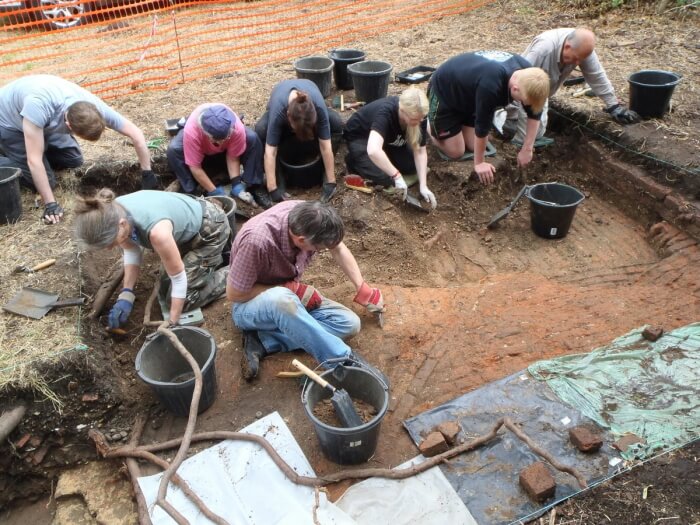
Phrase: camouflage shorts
pixel 201 257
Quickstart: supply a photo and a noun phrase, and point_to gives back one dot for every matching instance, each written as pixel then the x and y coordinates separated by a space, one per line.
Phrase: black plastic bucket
pixel 552 208
pixel 303 174
pixel 161 366
pixel 348 446
pixel 651 91
pixel 371 79
pixel 229 207
pixel 10 200
pixel 343 58
pixel 318 69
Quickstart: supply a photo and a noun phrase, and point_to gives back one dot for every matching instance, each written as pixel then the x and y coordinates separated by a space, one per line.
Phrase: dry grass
pixel 28 345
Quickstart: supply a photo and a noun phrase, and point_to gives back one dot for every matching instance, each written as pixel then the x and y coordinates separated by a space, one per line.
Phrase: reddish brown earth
pixel 465 305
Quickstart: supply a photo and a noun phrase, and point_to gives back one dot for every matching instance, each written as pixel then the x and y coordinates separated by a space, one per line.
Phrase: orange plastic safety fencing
pixel 120 47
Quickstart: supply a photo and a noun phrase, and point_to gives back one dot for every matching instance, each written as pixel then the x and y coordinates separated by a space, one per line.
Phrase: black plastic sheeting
pixel 487 479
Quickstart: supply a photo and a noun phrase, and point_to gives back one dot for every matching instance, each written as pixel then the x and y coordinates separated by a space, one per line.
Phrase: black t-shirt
pixel 381 116
pixel 477 84
pixel 279 102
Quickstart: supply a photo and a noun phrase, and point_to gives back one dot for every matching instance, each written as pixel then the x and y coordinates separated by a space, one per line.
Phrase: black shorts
pixel 444 122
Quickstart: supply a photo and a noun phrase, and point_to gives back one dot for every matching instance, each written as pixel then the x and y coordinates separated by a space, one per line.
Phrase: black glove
pixel 622 115
pixel 149 181
pixel 52 209
pixel 277 195
pixel 328 191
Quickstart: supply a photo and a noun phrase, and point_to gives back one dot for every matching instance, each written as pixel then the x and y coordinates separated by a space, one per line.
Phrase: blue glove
pixel 121 309
pixel 218 191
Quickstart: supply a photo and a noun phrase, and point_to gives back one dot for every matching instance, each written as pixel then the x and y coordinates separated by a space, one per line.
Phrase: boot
pixel 253 352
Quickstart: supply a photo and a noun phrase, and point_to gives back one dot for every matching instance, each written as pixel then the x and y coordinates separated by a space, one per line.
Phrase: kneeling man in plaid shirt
pixel 274 309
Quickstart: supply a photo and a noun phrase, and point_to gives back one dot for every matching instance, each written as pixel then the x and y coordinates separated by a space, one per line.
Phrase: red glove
pixel 308 295
pixel 370 297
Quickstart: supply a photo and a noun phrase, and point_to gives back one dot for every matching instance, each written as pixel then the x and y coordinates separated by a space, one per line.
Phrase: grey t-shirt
pixel 279 102
pixel 43 100
pixel 149 207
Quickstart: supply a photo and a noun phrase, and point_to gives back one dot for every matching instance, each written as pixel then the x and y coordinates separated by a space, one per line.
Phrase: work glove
pixel 622 115
pixel 429 197
pixel 328 191
pixel 239 191
pixel 149 181
pixel 371 298
pixel 216 192
pixel 308 295
pixel 277 195
pixel 400 185
pixel 121 309
pixel 53 213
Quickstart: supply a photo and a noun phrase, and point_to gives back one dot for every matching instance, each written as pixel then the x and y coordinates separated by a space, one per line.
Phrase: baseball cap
pixel 217 121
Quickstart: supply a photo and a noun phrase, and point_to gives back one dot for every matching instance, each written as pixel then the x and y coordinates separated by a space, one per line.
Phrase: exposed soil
pixel 465 305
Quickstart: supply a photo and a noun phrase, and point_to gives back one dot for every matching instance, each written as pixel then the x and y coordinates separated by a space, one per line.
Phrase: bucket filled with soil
pixel 370 397
pixel 552 208
pixel 162 367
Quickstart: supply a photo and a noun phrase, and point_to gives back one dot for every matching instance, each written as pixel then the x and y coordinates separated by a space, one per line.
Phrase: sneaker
pixel 262 197
pixel 490 152
pixel 356 359
pixel 541 142
pixel 253 352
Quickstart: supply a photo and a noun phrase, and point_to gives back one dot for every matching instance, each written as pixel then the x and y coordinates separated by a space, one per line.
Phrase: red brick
pixel 538 482
pixel 449 430
pixel 652 333
pixel 627 440
pixel 585 439
pixel 433 445
pixel 22 441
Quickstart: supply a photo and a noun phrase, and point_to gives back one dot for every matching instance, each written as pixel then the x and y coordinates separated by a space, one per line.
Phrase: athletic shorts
pixel 444 122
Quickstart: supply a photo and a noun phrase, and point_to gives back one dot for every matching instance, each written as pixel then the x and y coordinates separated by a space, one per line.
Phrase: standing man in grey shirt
pixel 558 52
pixel 39 114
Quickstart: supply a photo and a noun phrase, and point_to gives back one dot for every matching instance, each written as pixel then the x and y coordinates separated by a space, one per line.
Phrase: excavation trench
pixel 465 306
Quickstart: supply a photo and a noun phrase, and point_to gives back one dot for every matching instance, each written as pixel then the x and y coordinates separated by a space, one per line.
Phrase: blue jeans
pixel 283 324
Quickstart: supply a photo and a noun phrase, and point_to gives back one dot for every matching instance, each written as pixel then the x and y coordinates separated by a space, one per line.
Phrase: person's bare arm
pixel 345 259
pixel 130 130
pixel 34 144
pixel 270 160
pixel 202 178
pixel 525 153
pixel 328 158
pixel 484 170
pixel 233 166
pixel 164 245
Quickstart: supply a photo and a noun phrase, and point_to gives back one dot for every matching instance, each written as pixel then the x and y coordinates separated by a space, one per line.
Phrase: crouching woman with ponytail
pixel 188 234
pixel 386 140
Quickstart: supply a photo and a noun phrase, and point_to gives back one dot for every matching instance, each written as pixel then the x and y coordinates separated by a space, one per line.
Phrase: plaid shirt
pixel 263 252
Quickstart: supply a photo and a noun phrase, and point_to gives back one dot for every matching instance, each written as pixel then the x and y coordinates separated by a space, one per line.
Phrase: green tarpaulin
pixel 635 386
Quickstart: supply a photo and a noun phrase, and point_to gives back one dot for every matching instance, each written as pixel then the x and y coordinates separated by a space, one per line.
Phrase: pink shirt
pixel 197 145
pixel 263 252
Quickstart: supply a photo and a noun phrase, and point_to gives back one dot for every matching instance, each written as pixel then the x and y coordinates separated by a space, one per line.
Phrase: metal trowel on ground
pixel 415 203
pixel 505 211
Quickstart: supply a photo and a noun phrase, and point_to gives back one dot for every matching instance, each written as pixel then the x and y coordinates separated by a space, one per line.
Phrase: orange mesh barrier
pixel 121 47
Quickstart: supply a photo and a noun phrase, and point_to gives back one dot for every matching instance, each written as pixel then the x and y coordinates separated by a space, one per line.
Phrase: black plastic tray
pixel 415 75
pixel 173 125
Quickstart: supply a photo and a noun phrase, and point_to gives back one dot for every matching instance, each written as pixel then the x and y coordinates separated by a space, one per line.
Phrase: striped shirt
pixel 263 252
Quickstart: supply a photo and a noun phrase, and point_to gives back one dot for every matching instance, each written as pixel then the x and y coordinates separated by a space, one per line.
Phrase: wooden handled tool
pixel 36 268
pixel 340 399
